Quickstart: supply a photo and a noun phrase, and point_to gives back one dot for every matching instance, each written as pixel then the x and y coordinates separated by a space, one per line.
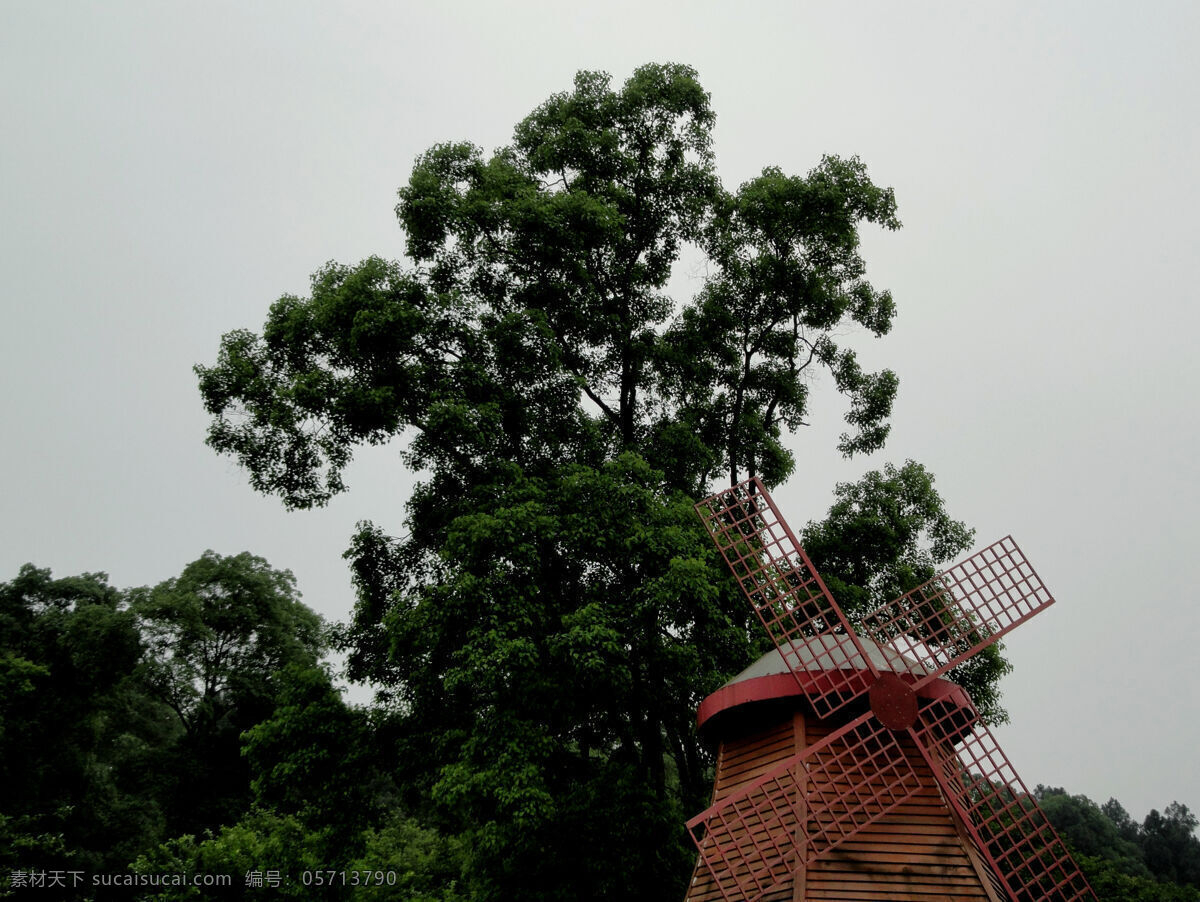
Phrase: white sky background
pixel 169 169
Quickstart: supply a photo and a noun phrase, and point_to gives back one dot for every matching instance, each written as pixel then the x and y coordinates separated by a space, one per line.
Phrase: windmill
pixel 918 730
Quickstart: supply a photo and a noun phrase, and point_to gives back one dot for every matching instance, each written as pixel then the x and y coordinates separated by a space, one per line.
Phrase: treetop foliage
pixel 122 711
pixel 220 630
pixel 1155 861
pixel 535 329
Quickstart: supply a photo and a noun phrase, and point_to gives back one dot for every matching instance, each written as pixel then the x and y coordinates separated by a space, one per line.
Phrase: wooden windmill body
pixel 849 768
pixel 918 852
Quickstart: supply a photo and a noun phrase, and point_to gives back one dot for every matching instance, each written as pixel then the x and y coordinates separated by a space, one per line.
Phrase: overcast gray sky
pixel 170 168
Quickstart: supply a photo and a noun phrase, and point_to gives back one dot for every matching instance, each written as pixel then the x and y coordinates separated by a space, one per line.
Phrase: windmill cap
pixel 770 677
pixel 822 653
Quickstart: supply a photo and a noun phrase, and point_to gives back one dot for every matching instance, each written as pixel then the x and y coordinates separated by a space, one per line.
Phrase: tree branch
pixel 596 399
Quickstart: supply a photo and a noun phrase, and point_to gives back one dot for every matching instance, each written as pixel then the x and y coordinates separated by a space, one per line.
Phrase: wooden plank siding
pixel 741 758
pixel 915 853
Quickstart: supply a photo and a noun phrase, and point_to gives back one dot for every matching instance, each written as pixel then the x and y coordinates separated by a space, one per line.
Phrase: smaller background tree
pixel 217 638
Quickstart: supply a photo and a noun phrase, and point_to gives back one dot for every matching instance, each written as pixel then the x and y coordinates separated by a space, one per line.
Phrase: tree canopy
pixel 73 736
pixel 122 711
pixel 93 755
pixel 535 328
pixel 1155 861
pixel 554 613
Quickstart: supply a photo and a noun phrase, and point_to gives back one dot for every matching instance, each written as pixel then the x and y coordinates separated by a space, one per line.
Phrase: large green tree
pixel 554 613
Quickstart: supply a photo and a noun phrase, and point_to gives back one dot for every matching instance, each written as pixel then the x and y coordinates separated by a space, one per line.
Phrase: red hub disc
pixel 893 702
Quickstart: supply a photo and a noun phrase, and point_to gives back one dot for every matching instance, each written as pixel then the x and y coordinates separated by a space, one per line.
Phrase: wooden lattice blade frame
pixel 786 592
pixel 1008 827
pixel 754 839
pixel 960 611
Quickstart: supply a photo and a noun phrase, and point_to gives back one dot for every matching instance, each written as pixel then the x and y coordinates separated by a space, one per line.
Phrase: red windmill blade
pixel 1023 849
pixel 786 592
pixel 826 794
pixel 963 609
